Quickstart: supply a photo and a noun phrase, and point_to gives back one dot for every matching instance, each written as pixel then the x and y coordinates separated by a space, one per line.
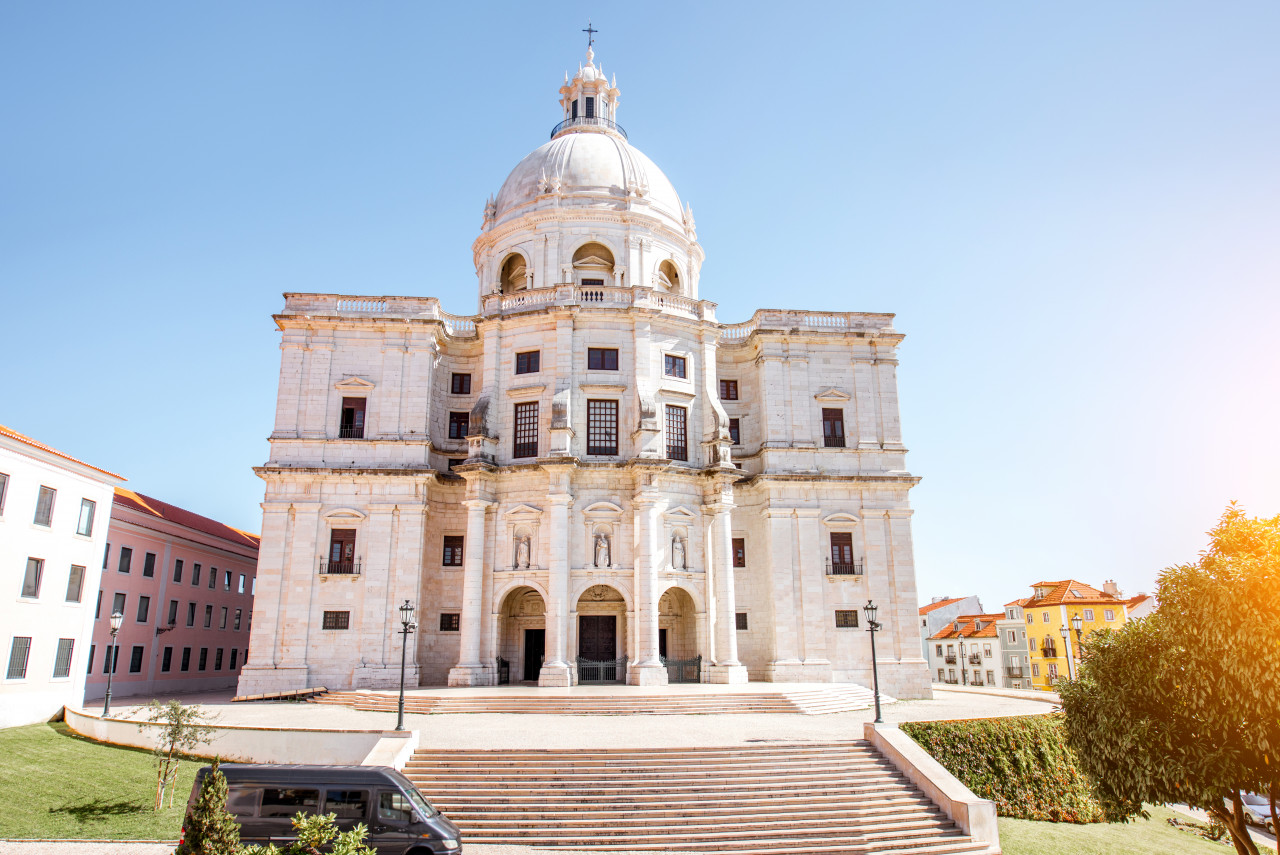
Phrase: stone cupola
pixel 590 101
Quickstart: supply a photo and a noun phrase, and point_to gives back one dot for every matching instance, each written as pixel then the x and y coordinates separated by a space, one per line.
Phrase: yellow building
pixel 1053 607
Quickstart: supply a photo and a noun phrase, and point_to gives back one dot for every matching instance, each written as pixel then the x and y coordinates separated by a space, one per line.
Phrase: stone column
pixel 813 611
pixel 470 671
pixel 727 668
pixel 555 668
pixel 647 670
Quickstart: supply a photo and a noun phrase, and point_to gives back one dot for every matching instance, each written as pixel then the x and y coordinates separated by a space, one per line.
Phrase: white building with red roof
pixel 967 651
pixel 54 513
pixel 942 611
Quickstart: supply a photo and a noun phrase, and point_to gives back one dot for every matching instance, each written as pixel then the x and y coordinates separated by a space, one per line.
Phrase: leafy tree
pixel 315 832
pixel 181 730
pixel 208 828
pixel 1184 706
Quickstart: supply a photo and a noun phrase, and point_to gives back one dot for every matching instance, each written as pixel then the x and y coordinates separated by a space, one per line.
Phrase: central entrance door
pixel 535 647
pixel 598 637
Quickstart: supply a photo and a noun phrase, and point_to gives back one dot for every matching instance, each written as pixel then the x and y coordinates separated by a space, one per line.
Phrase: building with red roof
pixel 940 612
pixel 966 651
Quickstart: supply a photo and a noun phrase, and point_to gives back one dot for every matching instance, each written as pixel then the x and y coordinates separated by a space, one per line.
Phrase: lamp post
pixel 872 625
pixel 116 620
pixel 1066 642
pixel 407 626
pixel 1077 623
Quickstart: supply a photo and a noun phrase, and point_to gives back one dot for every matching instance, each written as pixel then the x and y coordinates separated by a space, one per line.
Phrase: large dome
pixel 597 165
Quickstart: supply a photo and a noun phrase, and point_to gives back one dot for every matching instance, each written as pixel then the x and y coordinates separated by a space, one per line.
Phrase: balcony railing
pixel 588 121
pixel 843 568
pixel 975 659
pixel 951 681
pixel 950 658
pixel 977 683
pixel 1049 652
pixel 351 432
pixel 1013 673
pixel 339 568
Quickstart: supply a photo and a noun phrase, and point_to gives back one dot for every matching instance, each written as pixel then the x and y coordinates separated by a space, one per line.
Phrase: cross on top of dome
pixel 590 100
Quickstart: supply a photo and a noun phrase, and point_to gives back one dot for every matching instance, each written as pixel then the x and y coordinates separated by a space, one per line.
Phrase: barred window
pixel 460 384
pixel 18 654
pixel 602 358
pixel 846 618
pixel 528 362
pixel 453 544
pixel 458 425
pixel 728 390
pixel 526 434
pixel 741 620
pixel 677 433
pixel 602 427
pixel 336 620
pixel 673 366
pixel 450 622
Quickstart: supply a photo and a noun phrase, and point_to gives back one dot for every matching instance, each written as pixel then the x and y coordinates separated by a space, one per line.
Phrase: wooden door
pixel 598 637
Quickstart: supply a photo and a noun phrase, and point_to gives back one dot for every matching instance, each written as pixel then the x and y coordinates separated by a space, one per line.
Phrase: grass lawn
pixel 1143 837
pixel 56 784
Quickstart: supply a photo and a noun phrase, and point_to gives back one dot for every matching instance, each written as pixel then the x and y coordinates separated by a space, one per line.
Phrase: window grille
pixel 336 620
pixel 846 619
pixel 18 654
pixel 677 433
pixel 602 427
pixel 526 433
pixel 351 424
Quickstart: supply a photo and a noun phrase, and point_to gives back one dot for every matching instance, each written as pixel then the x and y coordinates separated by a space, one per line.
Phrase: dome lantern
pixel 589 102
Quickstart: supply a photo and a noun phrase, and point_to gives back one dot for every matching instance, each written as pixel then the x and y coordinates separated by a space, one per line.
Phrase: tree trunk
pixel 1233 821
pixel 1275 791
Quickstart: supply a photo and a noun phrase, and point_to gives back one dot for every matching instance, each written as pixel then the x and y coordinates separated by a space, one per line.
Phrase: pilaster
pixel 648 670
pixel 727 668
pixel 470 671
pixel 555 669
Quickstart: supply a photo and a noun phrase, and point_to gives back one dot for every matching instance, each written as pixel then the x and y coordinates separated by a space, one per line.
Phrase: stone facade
pixel 967 652
pixel 591 468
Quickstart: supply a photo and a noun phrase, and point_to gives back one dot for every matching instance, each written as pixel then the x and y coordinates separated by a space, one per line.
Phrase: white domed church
pixel 592 479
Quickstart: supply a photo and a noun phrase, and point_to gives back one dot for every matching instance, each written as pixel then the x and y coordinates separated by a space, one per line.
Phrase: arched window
pixel 669 277
pixel 593 264
pixel 514 274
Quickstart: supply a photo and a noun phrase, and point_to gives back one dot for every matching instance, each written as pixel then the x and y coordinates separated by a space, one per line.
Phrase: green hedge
pixel 1021 763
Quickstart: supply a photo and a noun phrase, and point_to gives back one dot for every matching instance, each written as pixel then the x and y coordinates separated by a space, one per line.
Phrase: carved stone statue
pixel 522 551
pixel 677 553
pixel 602 550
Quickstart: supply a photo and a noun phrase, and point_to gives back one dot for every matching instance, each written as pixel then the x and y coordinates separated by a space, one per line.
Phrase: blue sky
pixel 1074 210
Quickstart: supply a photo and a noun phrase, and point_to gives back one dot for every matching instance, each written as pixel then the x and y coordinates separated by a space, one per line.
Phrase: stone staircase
pixel 836 698
pixel 776 798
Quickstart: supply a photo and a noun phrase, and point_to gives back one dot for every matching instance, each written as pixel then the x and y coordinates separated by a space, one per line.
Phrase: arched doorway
pixel 522 634
pixel 601 636
pixel 678 642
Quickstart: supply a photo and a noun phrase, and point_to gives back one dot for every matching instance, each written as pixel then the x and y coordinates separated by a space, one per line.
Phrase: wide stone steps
pixel 769 798
pixel 843 698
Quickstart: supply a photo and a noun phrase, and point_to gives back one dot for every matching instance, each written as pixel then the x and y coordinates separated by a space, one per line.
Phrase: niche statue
pixel 522 552
pixel 602 550
pixel 677 553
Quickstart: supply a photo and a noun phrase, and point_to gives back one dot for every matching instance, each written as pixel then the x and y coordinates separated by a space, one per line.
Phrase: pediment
pixel 523 510
pixel 681 514
pixel 353 384
pixel 831 393
pixel 344 515
pixel 593 261
pixel 601 509
pixel 840 517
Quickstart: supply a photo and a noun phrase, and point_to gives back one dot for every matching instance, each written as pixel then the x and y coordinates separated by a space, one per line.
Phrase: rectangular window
pixel 149 565
pixel 347 804
pixel 177 570
pixel 18 653
pixel 602 359
pixel 166 659
pixel 126 559
pixel 456 461
pixel 234 652
pixel 728 390
pixel 460 384
pixel 97 610
pixel 336 620
pixel 75 583
pixel 991 677
pixel 191 614
pixel 208 619
pixel 111 660
pixel 89 666
pixel 832 427
pixel 204 658
pixel 213 578
pixel 144 609
pixel 1053 672
pixel 525 442
pixel 602 427
pixel 135 659
pixel 342 551
pixel 4 490
pixel 186 659
pixel 573 106
pixel 106 555
pixel 226 580
pixel 986 650
pixel 217 659
pixel 842 563
pixel 235 625
pixel 847 619
pixel 593 283
pixel 450 622
pixel 591 108
pixel 44 508
pixel 459 424
pixel 452 550
pixel 31 581
pixel 677 433
pixel 222 618
pixel 735 432
pixel 287 802
pixel 740 621
pixel 173 613
pixel 195 575
pixel 85 524
pixel 351 422
pixel 240 584
pixel 1044 617
pixel 1088 614
pixel 1109 615
pixel 940 677
pixel 1013 637
pixel 938 650
pixel 1031 618
pixel 528 362
pixel 739 552
pixel 673 366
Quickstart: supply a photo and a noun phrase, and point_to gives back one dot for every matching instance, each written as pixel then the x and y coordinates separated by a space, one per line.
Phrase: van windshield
pixel 426 810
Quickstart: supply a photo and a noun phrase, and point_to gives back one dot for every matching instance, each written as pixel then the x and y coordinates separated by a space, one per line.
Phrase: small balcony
pixel 950 658
pixel 1049 652
pixel 339 568
pixel 975 659
pixel 839 568
pixel 588 122
pixel 977 683
pixel 951 681
pixel 1013 673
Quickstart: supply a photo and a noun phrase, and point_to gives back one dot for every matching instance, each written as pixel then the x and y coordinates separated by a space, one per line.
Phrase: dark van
pixel 264 799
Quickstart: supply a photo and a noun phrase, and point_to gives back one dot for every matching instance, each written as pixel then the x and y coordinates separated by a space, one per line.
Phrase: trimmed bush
pixel 1022 763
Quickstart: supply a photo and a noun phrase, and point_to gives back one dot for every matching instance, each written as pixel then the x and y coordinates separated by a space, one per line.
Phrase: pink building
pixel 185 585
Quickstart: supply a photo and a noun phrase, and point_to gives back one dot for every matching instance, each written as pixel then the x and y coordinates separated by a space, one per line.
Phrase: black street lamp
pixel 407 626
pixel 1066 642
pixel 1077 623
pixel 116 620
pixel 872 625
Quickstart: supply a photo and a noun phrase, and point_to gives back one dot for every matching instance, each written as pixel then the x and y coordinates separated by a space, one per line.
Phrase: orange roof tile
pixel 924 610
pixel 23 438
pixel 1069 591
pixel 179 516
pixel 1137 600
pixel 967 629
pixel 1022 601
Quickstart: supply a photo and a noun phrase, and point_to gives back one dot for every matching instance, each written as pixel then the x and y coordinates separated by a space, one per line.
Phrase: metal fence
pixel 604 671
pixel 683 670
